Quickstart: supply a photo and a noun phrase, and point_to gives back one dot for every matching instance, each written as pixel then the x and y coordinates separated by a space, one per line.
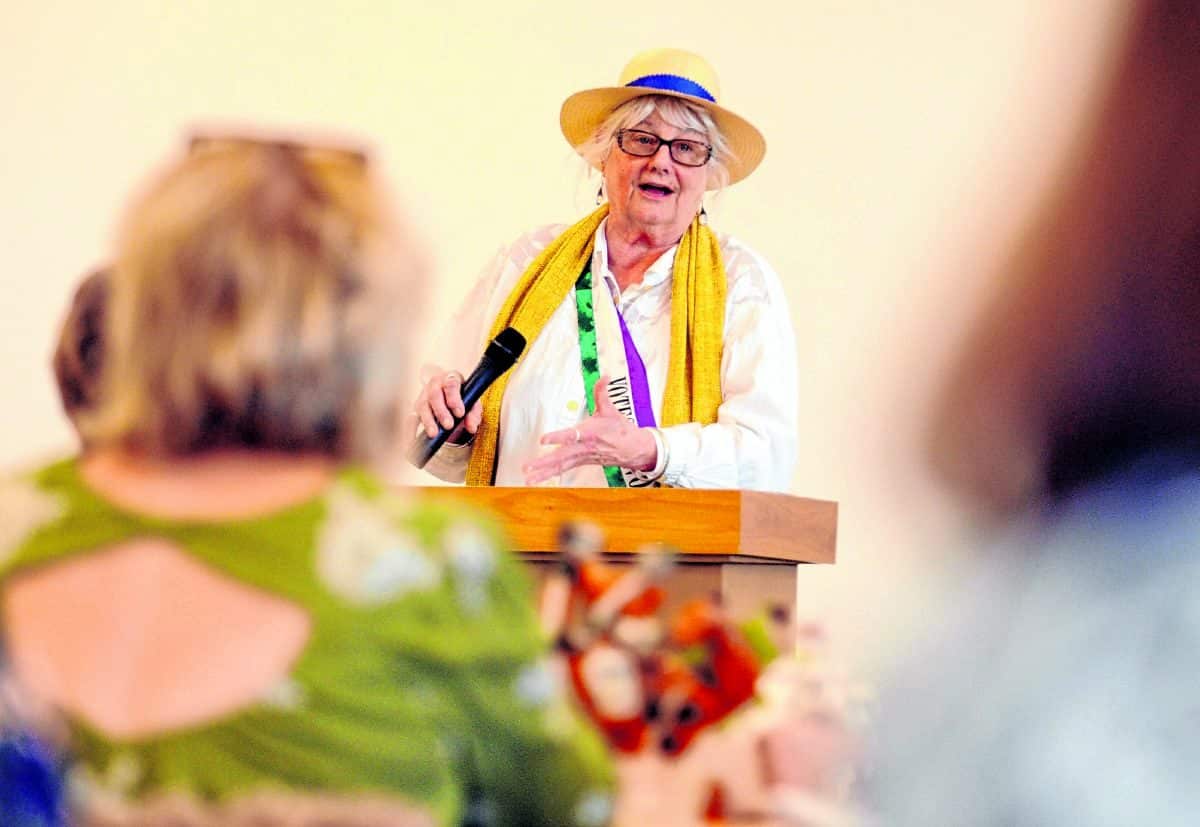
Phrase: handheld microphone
pixel 502 352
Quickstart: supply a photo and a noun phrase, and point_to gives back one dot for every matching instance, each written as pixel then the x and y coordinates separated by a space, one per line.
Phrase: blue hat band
pixel 673 83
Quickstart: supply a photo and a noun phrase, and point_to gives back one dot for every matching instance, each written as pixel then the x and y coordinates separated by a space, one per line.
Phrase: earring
pixel 600 195
pixel 703 216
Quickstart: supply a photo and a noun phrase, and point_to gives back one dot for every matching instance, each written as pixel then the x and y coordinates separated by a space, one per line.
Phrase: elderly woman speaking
pixel 659 352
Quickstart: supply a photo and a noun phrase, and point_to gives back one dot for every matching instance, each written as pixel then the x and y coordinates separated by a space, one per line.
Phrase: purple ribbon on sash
pixel 639 388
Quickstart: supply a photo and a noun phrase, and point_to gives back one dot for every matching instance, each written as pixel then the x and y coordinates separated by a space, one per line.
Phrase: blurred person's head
pixel 1092 354
pixel 79 355
pixel 258 298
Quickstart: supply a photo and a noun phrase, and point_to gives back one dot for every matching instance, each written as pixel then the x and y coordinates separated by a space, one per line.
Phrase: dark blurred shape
pixel 79 357
pixel 31 786
pixel 1092 354
pixel 32 782
pixel 1058 683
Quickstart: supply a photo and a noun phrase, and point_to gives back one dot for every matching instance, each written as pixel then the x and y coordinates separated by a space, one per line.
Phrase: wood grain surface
pixel 724 523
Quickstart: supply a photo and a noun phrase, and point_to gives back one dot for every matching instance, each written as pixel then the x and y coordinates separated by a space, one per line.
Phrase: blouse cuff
pixel 663 453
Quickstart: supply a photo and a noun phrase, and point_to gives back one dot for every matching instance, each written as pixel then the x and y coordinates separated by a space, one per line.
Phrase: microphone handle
pixel 425 446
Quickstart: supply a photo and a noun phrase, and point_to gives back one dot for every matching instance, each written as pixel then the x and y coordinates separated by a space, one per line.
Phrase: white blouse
pixel 752 445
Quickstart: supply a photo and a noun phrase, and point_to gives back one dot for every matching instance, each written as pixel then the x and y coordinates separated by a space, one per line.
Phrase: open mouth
pixel 656 190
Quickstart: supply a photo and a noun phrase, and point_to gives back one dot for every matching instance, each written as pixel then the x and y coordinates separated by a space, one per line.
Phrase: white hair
pixel 679 113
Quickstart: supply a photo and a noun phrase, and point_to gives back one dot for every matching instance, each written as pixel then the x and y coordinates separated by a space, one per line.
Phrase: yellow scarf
pixel 693 391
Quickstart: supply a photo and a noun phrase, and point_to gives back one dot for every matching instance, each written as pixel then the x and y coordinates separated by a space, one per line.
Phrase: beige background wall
pixel 906 140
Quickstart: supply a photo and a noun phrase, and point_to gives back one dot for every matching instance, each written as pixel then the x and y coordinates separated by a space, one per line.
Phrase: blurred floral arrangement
pixel 763 733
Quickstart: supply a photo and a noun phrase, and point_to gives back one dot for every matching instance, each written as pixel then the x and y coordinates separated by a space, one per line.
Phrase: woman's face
pixel 655 194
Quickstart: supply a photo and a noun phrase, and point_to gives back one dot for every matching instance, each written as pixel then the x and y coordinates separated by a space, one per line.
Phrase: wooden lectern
pixel 745 545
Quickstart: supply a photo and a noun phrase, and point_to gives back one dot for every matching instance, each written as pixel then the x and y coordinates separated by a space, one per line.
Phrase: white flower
pixel 473 560
pixel 363 557
pixel 124 773
pixel 285 694
pixel 92 788
pixel 536 685
pixel 24 508
pixel 594 809
pixel 611 677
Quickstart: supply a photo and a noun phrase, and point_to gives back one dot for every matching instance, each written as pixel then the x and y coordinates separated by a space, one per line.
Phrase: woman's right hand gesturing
pixel 440 403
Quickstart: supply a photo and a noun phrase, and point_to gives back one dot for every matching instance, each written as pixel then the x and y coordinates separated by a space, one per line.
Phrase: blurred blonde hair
pixel 255 299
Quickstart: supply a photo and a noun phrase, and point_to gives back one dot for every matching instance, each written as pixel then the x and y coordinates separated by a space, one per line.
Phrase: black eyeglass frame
pixel 621 133
pixel 200 141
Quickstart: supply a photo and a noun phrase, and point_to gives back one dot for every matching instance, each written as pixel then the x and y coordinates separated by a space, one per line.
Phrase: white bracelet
pixel 660 463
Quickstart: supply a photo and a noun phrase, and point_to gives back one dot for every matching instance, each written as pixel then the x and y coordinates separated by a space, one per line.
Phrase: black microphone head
pixel 506 347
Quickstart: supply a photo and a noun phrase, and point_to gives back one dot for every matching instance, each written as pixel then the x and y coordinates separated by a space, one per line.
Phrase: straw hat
pixel 671 72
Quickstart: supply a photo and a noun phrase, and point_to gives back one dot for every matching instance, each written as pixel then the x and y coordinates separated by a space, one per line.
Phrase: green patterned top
pixel 424 675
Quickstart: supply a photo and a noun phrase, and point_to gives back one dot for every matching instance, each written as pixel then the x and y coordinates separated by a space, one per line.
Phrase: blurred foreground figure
pixel 1063 689
pixel 235 622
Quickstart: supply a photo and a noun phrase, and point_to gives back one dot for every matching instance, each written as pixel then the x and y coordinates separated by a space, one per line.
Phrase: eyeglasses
pixel 686 151
pixel 201 142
